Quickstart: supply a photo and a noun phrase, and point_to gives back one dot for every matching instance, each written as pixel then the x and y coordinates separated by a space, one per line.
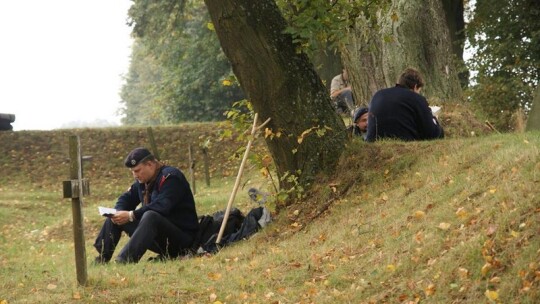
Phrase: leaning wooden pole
pixel 254 130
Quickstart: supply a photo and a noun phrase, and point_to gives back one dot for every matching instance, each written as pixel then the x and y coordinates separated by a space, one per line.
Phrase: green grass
pixel 407 223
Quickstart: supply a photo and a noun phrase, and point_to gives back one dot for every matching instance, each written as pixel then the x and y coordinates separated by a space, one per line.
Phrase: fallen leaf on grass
pixel 461 213
pixel 444 226
pixel 493 295
pixel 485 269
pixel 214 276
pixel 390 268
pixel 430 289
pixel 51 286
pixel 419 214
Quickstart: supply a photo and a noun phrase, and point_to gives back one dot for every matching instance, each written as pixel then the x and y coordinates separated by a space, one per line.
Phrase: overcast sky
pixel 62 61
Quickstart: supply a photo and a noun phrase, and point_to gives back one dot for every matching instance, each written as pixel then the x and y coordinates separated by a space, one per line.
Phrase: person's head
pixel 360 118
pixel 345 74
pixel 411 78
pixel 142 163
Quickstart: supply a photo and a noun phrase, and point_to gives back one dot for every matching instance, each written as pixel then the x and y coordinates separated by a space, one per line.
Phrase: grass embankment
pixel 451 221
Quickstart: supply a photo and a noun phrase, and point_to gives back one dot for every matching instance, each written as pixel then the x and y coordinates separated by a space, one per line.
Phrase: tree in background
pixel 505 37
pixel 140 94
pixel 533 122
pixel 192 77
pixel 378 39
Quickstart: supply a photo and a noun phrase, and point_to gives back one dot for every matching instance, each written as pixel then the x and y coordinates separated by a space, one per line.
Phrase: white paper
pixel 435 110
pixel 106 211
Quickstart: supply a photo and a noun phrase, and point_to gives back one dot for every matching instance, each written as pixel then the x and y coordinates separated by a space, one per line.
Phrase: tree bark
pixel 409 33
pixel 281 84
pixel 533 121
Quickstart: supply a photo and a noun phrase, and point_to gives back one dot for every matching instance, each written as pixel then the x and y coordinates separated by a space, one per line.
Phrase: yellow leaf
pixel 493 295
pixel 492 190
pixel 444 226
pixel 461 213
pixel 485 269
pixel 525 141
pixel 296 212
pixel 390 268
pixel 226 83
pixel 210 26
pixel 514 233
pixel 267 132
pixel 419 214
pixel 51 286
pixel 214 276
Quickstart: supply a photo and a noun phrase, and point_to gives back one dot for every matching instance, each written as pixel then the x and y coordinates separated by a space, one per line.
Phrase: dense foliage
pixel 178 72
pixel 505 36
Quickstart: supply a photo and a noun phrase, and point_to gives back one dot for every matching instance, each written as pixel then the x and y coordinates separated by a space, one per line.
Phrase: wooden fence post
pixel 192 170
pixel 152 142
pixel 76 188
pixel 206 166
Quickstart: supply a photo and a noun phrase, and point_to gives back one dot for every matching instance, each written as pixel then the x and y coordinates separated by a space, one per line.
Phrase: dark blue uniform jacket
pixel 171 197
pixel 401 113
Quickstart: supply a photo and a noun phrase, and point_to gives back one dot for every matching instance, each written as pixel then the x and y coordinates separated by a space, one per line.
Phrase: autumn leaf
pixel 430 289
pixel 214 276
pixel 390 268
pixel 444 226
pixel 493 295
pixel 419 214
pixel 485 269
pixel 461 213
pixel 226 82
pixel 463 272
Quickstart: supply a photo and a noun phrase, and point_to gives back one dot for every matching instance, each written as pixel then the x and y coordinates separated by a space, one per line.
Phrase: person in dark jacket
pixel 165 223
pixel 402 113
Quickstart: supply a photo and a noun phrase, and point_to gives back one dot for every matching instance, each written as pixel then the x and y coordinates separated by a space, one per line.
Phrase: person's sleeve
pixel 430 126
pixel 334 85
pixel 129 199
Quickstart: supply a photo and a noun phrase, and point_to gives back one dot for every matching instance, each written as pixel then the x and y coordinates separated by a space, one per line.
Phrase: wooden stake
pixel 76 203
pixel 254 130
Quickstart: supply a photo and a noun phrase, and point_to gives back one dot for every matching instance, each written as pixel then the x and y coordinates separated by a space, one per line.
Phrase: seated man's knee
pixel 150 216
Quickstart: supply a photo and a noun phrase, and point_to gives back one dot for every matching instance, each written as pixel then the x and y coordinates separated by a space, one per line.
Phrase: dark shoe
pixel 157 259
pixel 99 260
pixel 120 260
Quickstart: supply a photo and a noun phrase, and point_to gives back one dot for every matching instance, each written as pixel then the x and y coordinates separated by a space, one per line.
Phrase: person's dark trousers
pixel 345 103
pixel 109 236
pixel 158 234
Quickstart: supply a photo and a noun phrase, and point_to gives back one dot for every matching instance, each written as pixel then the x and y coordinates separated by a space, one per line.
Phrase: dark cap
pixel 358 113
pixel 136 156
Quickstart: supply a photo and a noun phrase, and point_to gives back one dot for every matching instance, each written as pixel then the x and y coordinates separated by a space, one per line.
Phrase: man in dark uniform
pixel 401 112
pixel 165 223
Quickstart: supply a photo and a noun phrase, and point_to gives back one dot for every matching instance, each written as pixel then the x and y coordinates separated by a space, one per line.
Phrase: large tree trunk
pixel 533 121
pixel 409 33
pixel 282 84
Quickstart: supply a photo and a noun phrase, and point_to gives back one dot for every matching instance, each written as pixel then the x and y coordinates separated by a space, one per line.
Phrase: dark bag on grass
pixel 209 226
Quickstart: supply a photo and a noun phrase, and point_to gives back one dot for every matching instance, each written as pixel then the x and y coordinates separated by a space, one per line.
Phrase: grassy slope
pixel 436 222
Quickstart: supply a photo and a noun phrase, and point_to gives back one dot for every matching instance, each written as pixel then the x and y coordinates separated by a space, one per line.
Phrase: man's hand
pixel 120 217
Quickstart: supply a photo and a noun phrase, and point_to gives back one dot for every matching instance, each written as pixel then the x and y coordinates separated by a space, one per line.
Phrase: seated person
pixel 360 122
pixel 341 93
pixel 401 112
pixel 166 221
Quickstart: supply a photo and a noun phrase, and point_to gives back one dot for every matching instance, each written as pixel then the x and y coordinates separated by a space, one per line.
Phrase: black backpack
pixel 209 226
